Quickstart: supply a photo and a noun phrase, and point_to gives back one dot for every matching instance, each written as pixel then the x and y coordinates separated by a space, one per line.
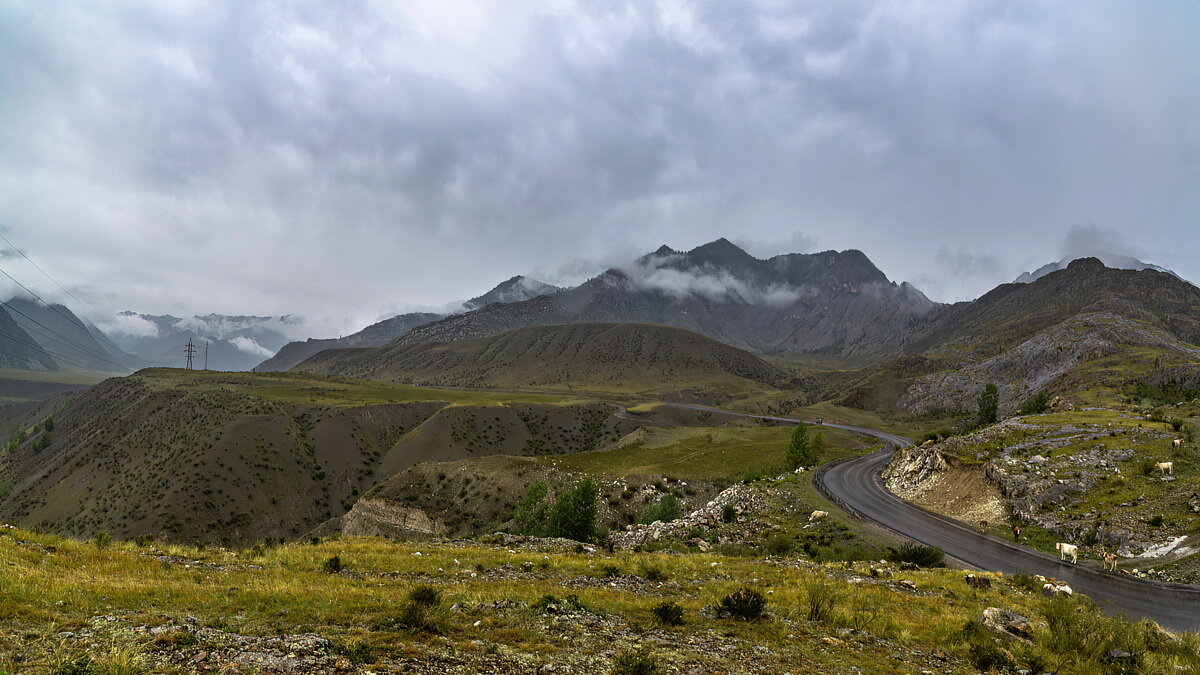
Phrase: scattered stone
pixel 976 581
pixel 1007 623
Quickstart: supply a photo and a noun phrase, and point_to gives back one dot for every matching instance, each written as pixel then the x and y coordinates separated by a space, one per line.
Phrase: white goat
pixel 1065 550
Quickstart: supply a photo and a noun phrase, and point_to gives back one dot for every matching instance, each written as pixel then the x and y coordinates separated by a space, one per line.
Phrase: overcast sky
pixel 344 160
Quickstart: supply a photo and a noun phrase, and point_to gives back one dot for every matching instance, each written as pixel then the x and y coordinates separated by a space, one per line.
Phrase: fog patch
pixel 130 324
pixel 1084 240
pixel 249 346
pixel 659 273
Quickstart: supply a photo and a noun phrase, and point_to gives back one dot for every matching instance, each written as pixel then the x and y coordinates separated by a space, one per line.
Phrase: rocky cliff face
pixel 383 518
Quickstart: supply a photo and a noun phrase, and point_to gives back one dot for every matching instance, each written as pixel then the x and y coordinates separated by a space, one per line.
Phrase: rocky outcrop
pixel 742 498
pixel 1007 624
pixel 384 518
pixel 910 468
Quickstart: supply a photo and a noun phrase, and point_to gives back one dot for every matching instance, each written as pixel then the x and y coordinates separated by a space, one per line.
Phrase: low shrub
pixel 987 656
pixel 610 571
pixel 728 513
pixel 652 573
pixel 780 544
pixel 427 596
pixel 918 554
pixel 1025 581
pixel 359 653
pixel 821 599
pixel 417 618
pixel 333 565
pixel 745 603
pixel 636 663
pixel 668 614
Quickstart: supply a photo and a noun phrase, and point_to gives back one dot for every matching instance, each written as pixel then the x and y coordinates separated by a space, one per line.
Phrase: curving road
pixel 855 486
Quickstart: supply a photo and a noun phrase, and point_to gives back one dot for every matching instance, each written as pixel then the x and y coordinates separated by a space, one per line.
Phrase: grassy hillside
pixel 626 358
pixel 230 458
pixel 21 386
pixel 1013 313
pixel 700 453
pixel 75 607
pixel 1061 334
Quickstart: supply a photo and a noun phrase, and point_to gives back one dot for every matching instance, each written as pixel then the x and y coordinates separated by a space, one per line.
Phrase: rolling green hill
pixel 597 356
pixel 237 458
pixel 1074 332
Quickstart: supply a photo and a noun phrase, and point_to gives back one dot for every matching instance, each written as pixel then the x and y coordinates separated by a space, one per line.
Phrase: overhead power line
pixel 64 290
pixel 53 334
pixel 58 337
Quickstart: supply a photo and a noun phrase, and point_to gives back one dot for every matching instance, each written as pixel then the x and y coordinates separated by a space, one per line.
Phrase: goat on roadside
pixel 1065 550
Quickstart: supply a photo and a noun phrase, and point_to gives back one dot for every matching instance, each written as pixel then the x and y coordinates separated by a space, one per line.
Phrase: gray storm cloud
pixel 338 159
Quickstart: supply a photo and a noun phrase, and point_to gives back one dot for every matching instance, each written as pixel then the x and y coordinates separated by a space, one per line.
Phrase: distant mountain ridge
pixel 71 341
pixel 830 302
pixel 1111 260
pixel 233 342
pixel 19 350
pixel 516 289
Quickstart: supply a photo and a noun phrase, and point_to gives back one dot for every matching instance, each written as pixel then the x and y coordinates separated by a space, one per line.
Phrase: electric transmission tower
pixel 190 350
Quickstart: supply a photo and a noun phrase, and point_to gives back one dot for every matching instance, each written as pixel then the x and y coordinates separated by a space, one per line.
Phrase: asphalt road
pixel 855 486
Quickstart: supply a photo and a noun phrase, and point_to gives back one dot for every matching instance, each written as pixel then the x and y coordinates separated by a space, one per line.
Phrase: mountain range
pixel 232 342
pixel 829 303
pixel 65 339
pixel 1040 336
pixel 516 289
pixel 1112 260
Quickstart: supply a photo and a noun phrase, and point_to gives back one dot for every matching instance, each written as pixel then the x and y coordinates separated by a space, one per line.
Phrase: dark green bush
pixel 665 510
pixel 610 571
pixel 745 603
pixel 781 544
pixel 1038 403
pixel 1026 581
pixel 668 614
pixel 986 656
pixel 427 596
pixel 333 565
pixel 417 618
pixel 918 554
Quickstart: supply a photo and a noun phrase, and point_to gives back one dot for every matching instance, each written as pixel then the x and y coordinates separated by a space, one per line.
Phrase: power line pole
pixel 190 350
pixel 206 354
